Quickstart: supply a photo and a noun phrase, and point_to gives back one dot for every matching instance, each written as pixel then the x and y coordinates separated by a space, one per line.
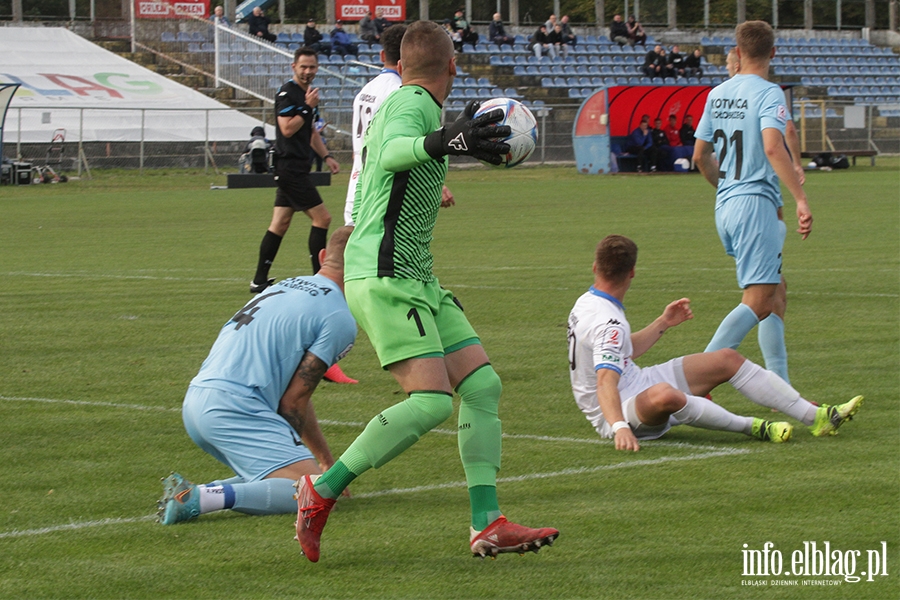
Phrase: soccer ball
pixel 524 134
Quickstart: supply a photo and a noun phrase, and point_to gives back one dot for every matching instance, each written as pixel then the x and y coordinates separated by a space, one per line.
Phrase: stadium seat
pixel 167 36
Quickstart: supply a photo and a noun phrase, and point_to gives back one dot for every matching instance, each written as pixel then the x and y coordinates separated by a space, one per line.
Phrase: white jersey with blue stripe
pixel 365 105
pixel 260 347
pixel 736 112
pixel 599 338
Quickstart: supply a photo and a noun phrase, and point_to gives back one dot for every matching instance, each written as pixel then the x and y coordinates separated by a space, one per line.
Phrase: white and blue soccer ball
pixel 523 138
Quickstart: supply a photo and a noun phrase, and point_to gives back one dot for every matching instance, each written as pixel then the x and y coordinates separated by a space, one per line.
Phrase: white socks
pixel 700 412
pixel 768 389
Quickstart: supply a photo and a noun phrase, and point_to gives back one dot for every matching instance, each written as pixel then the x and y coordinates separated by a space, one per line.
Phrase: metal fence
pixel 824 126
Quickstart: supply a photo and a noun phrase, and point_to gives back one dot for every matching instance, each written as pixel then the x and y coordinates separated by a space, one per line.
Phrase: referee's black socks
pixel 267 251
pixel 318 237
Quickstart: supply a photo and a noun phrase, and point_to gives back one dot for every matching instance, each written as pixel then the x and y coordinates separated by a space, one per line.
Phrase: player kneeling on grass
pixel 250 406
pixel 627 403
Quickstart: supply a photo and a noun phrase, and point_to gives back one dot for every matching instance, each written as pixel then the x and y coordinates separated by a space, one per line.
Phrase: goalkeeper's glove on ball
pixel 471 136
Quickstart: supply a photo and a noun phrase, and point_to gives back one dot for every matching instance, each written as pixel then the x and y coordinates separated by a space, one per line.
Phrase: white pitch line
pixel 563 473
pixel 89 403
pixel 511 436
pixel 412 490
pixel 73 526
pixel 458 285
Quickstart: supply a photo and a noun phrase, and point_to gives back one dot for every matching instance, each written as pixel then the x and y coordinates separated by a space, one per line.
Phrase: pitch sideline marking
pixel 453 285
pixel 73 526
pixel 412 490
pixel 512 436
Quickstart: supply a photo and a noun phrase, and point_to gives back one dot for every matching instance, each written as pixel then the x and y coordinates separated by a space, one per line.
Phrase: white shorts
pixel 671 372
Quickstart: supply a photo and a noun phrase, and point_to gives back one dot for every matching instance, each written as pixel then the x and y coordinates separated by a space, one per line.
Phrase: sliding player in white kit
pixel 627 403
pixel 367 103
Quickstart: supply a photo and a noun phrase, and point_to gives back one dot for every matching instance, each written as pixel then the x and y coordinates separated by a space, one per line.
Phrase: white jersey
pixel 599 338
pixel 365 105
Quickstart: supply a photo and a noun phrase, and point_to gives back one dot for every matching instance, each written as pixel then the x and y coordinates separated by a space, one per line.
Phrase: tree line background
pixel 722 13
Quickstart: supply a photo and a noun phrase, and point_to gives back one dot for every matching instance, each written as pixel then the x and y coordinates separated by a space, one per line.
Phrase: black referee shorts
pixel 295 190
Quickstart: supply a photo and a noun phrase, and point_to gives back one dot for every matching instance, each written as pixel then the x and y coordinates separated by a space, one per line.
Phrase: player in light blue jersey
pixel 741 151
pixel 250 405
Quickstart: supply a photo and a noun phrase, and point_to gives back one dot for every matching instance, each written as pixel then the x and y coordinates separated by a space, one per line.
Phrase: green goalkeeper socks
pixel 485 508
pixel 386 436
pixel 479 439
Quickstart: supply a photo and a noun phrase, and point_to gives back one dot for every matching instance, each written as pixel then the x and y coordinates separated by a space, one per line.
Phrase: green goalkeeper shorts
pixel 405 318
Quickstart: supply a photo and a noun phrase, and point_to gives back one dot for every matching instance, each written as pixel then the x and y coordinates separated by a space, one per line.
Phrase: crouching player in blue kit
pixel 740 149
pixel 250 406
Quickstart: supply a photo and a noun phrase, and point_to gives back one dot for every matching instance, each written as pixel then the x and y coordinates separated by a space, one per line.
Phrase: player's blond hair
pixel 425 51
pixel 755 39
pixel 615 257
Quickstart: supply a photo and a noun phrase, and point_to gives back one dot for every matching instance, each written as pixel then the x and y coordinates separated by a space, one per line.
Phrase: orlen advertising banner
pixel 355 10
pixel 170 9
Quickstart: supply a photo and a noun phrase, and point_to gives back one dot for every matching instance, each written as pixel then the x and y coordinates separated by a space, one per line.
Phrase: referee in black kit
pixel 296 139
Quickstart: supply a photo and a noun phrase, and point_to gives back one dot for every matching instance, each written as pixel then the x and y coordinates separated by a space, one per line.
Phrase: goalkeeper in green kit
pixel 418 329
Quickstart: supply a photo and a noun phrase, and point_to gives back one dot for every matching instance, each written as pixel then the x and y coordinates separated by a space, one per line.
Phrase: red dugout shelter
pixel 616 111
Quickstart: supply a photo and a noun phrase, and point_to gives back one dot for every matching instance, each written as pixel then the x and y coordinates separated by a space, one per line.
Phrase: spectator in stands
pixel 636 32
pixel 693 66
pixel 218 16
pixel 312 38
pixel 551 23
pixel 381 23
pixel 672 132
pixel 618 32
pixel 555 38
pixel 667 70
pixel 497 33
pixel 640 142
pixel 368 29
pixel 686 133
pixel 653 63
pixel 340 40
pixel 540 43
pixel 569 36
pixel 455 36
pixel 259 25
pixel 675 62
pixel 462 26
pixel 661 148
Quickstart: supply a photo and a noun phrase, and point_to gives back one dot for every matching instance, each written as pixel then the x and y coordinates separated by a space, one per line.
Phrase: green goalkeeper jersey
pixel 399 191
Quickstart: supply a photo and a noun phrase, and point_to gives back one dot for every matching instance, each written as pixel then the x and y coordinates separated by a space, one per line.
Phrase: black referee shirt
pixel 288 100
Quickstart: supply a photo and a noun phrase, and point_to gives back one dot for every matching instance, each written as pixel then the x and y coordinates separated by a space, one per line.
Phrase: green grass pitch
pixel 115 288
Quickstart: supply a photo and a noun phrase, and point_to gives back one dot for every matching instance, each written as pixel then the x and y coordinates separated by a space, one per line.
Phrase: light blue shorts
pixel 752 233
pixel 241 432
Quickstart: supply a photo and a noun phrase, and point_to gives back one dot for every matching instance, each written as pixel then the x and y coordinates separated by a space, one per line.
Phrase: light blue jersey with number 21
pixel 736 112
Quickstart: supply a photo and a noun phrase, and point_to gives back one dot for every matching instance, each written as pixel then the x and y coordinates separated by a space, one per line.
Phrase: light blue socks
pixel 273 496
pixel 772 345
pixel 733 328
